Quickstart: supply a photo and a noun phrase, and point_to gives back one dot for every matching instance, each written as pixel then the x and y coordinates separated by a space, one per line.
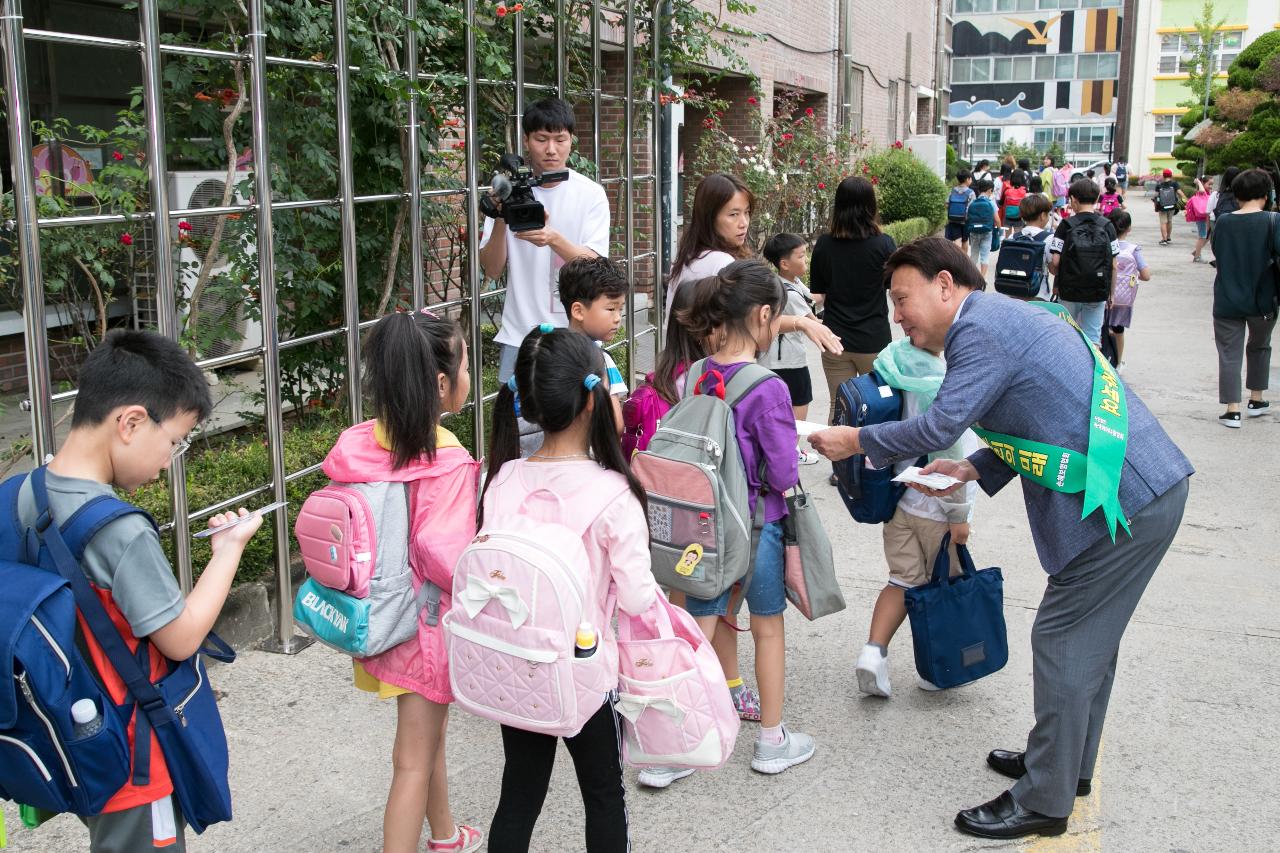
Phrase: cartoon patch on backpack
pixel 689 560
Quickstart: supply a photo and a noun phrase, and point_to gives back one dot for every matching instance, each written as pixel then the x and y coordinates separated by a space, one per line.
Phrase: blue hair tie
pixel 511 382
pixel 515 397
pixel 591 381
pixel 546 328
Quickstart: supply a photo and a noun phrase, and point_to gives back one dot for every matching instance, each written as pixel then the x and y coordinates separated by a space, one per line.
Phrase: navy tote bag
pixel 957 623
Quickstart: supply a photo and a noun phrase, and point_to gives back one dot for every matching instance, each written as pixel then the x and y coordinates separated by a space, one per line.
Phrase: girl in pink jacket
pixel 417 369
pixel 559 385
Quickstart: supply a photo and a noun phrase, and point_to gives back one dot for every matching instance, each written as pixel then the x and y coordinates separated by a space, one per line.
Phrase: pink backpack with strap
pixel 640 416
pixel 672 697
pixel 520 590
pixel 1198 207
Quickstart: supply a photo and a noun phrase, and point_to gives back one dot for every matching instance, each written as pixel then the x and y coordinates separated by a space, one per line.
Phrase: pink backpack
pixel 672 697
pixel 640 416
pixel 520 591
pixel 1108 202
pixel 1062 182
pixel 1198 207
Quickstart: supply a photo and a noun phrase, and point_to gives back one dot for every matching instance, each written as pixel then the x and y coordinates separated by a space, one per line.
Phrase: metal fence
pixel 161 218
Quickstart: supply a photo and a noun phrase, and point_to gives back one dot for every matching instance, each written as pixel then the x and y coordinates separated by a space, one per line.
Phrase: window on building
pixel 1098 66
pixel 1175 48
pixel 853 99
pixel 986 142
pixel 971 7
pixel 1091 139
pixel 1166 130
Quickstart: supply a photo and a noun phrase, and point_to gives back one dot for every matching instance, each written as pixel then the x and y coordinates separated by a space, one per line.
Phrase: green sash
pixel 1096 472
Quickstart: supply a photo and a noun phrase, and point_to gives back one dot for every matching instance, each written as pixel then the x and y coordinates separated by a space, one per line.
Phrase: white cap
pixel 84 711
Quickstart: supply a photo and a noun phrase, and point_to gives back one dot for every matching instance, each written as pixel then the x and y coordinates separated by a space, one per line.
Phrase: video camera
pixel 513 184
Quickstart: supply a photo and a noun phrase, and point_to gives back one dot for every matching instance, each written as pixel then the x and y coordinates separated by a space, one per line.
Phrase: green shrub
pixel 908 188
pixel 910 229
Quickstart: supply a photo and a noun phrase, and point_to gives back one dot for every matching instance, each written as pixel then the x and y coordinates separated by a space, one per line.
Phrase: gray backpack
pixel 701 539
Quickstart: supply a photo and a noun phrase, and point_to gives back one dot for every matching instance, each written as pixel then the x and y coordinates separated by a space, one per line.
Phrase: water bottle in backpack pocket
pixel 700 523
pixel 869 494
pixel 359 596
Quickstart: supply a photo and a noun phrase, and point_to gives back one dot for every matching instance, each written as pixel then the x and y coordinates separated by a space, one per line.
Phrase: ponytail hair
pixel 404 355
pixel 556 373
pixel 724 301
pixel 682 349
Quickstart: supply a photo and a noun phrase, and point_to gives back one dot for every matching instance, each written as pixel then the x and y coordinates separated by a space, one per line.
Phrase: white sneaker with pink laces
pixel 465 840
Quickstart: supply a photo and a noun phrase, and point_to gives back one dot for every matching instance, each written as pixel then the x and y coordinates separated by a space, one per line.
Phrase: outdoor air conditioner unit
pixel 204 189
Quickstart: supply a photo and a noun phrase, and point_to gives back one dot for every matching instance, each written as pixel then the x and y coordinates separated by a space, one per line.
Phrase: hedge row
pixel 910 229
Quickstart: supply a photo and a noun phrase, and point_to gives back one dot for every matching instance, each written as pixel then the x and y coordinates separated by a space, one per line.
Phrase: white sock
pixel 772 735
pixel 457 832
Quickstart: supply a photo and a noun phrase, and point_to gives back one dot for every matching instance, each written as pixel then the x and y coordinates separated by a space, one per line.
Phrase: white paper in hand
pixel 806 428
pixel 929 481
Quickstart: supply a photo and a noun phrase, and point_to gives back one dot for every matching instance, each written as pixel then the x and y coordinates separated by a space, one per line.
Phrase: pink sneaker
pixel 468 839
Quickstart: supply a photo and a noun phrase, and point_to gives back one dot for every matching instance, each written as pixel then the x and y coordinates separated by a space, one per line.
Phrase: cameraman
pixel 577 224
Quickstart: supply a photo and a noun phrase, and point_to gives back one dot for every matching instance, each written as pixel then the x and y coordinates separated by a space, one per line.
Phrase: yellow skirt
pixel 366 682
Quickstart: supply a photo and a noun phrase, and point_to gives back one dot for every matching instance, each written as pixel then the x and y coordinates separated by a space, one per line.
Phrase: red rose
pixel 808 111
pixel 502 11
pixel 787 137
pixel 875 180
pixel 117 156
pixel 719 114
pixel 865 169
pixel 127 239
pixel 752 101
pixel 459 145
pixel 184 225
pixel 519 7
pixel 708 122
pixel 821 185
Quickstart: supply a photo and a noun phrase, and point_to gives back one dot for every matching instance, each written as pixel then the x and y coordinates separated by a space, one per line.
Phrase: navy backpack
pixel 46 759
pixel 957 624
pixel 869 494
pixel 958 205
pixel 1020 265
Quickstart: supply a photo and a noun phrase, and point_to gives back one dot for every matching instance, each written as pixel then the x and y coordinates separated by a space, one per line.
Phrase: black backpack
pixel 1226 204
pixel 1167 196
pixel 1084 269
pixel 1020 265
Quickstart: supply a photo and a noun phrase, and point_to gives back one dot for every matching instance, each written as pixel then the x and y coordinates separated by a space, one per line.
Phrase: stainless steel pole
pixel 162 264
pixel 36 338
pixel 346 190
pixel 417 255
pixel 628 183
pixel 659 170
pixel 517 61
pixel 562 62
pixel 285 640
pixel 474 275
pixel 595 87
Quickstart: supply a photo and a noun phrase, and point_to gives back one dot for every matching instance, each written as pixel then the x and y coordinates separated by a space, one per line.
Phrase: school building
pixel 1036 72
pixel 1166 40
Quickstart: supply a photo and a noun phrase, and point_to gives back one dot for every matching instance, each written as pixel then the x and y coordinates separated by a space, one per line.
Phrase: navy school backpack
pixel 958 205
pixel 1020 265
pixel 869 494
pixel 47 759
pixel 982 216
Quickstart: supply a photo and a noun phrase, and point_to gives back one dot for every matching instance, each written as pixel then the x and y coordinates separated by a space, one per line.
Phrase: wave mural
pixel 992 109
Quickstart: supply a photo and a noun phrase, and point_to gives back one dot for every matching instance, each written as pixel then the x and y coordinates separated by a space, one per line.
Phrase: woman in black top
pixel 848 271
pixel 1246 291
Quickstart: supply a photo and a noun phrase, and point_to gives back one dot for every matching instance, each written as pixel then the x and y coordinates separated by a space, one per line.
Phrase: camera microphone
pixel 501 186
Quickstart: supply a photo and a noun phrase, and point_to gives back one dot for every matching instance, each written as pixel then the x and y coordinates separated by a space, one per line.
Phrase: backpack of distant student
pixel 359 595
pixel 641 414
pixel 1013 196
pixel 1122 175
pixel 1125 290
pixel 1198 207
pixel 520 592
pixel 1084 268
pixel 869 493
pixel 982 216
pixel 1061 183
pixel 1108 202
pixel 56 752
pixel 1020 268
pixel 958 205
pixel 1167 196
pixel 676 709
pixel 701 531
pixel 1226 204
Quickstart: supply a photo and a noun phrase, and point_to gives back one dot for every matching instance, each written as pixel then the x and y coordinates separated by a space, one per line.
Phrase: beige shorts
pixel 911 545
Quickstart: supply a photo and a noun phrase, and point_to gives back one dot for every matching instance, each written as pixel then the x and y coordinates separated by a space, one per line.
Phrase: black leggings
pixel 597 759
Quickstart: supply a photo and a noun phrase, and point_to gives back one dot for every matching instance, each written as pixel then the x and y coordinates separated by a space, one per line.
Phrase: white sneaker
pixel 872 671
pixel 796 748
pixel 809 458
pixel 662 777
pixel 926 685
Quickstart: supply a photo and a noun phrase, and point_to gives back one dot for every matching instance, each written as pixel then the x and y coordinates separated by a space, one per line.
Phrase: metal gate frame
pixel 159 218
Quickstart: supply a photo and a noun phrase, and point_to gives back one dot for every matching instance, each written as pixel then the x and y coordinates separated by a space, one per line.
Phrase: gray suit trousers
pixel 1075 643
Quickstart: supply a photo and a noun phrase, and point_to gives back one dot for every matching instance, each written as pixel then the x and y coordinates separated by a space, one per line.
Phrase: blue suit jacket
pixel 1020 370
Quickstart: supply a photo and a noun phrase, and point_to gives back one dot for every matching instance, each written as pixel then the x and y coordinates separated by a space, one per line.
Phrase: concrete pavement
pixel 1189 761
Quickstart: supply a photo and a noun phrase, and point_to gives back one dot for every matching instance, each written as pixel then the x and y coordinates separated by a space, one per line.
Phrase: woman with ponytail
pixel 417 370
pixel 559 385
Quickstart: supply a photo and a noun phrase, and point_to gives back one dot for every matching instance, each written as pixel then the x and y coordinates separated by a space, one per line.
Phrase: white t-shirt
pixel 1045 290
pixel 703 266
pixel 579 209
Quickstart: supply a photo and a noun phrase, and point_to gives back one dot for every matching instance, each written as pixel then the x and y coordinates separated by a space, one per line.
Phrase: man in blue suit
pixel 1026 375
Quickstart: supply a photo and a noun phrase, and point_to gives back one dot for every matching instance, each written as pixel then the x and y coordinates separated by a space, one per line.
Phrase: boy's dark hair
pixel 140 369
pixel 1120 220
pixel 1084 191
pixel 1033 206
pixel 1018 178
pixel 963 175
pixel 1251 184
pixel 983 164
pixel 982 185
pixel 1089 173
pixel 550 373
pixel 855 210
pixel 780 246
pixel 1024 163
pixel 725 300
pixel 1035 184
pixel 1077 176
pixel 404 354
pixel 932 255
pixel 550 114
pixel 587 279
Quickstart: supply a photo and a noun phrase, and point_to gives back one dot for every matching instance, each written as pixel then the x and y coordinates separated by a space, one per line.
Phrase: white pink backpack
pixel 520 590
pixel 676 708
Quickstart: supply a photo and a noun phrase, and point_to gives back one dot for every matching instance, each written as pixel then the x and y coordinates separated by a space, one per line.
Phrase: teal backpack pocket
pixel 333 617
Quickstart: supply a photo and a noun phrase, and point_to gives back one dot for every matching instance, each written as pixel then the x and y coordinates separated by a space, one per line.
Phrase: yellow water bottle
pixel 584 645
